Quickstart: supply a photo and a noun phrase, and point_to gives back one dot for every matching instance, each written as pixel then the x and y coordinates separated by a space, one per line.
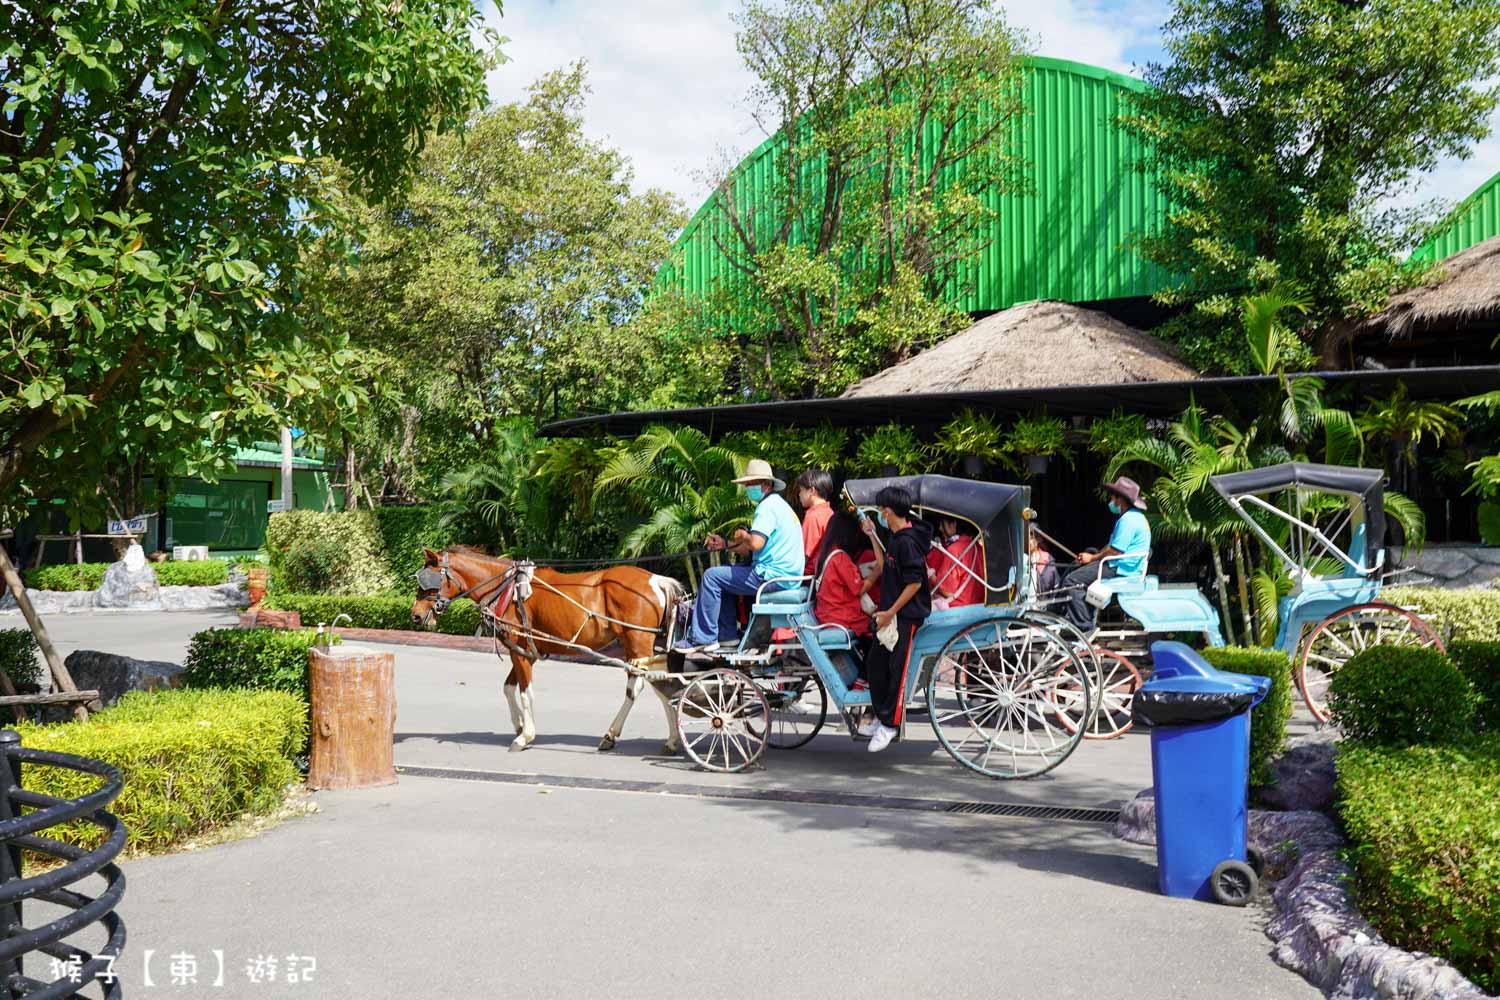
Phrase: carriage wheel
pixel 1339 636
pixel 1064 627
pixel 992 703
pixel 798 709
pixel 721 720
pixel 1118 681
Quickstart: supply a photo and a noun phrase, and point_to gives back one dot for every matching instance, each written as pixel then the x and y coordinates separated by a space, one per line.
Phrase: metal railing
pixel 73 967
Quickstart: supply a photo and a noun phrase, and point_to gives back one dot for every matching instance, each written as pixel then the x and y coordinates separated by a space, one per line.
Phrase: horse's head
pixel 436 587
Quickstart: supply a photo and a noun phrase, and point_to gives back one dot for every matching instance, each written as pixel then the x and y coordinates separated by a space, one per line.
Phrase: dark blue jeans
pixel 714 617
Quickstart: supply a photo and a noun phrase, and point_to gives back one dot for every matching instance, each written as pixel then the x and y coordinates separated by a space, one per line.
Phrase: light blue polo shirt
pixel 1132 534
pixel 782 554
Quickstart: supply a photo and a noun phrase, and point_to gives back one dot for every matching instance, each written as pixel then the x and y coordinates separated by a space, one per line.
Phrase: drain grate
pixel 1035 812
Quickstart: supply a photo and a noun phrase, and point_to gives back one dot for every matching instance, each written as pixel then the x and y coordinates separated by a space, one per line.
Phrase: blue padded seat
pixel 787 595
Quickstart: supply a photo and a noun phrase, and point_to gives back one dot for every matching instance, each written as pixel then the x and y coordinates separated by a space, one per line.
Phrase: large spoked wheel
pixel 1118 681
pixel 1339 636
pixel 1064 627
pixel 721 721
pixel 992 697
pixel 798 709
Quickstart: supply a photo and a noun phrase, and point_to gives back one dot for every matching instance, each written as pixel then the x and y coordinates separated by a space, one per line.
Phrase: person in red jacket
pixel 839 580
pixel 955 567
pixel 814 490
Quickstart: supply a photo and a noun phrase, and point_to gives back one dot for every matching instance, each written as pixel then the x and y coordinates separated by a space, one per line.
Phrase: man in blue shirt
pixel 774 544
pixel 1131 539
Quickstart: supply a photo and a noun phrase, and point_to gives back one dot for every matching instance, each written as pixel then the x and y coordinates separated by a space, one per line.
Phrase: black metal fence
pixel 24 815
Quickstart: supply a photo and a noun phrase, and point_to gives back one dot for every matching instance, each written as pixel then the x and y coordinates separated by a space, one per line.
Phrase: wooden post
pixel 353 717
pixel 60 675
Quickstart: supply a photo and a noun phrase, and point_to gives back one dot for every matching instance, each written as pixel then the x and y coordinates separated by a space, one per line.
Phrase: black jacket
pixel 906 563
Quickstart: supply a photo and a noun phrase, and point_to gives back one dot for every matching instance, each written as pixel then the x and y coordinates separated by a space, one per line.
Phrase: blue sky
pixel 668 87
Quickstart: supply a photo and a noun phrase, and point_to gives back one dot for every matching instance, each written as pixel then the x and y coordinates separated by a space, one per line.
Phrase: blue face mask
pixel 880 520
pixel 1114 508
pixel 755 493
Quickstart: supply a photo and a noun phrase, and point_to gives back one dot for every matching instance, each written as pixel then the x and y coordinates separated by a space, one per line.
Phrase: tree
pixel 1280 126
pixel 158 192
pixel 894 121
pixel 501 285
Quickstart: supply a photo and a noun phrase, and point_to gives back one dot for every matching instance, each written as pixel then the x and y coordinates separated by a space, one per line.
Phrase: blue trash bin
pixel 1200 769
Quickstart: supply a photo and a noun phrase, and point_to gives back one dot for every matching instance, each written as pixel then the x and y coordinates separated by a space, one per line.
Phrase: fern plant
pixel 971 433
pixel 891 446
pixel 1108 435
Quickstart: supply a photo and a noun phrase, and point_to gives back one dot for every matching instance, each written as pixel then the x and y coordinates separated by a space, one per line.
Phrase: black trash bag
pixel 1165 707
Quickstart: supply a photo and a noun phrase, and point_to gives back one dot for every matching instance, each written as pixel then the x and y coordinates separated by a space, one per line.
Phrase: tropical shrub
pixel 891 445
pixel 260 658
pixel 192 573
pixel 1039 436
pixel 1268 719
pixel 971 434
pixel 1424 829
pixel 461 618
pixel 19 658
pixel 352 552
pixel 406 531
pixel 1479 662
pixel 1462 614
pixel 192 760
pixel 1108 435
pixel 314 565
pixel 1399 696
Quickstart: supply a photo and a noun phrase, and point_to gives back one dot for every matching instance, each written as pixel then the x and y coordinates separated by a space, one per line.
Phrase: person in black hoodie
pixel 904 599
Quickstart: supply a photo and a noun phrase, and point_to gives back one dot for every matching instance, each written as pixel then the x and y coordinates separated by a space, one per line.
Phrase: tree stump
pixel 353 717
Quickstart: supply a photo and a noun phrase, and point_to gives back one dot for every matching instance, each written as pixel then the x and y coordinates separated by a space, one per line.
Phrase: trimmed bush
pixel 1461 614
pixel 351 552
pixel 1479 662
pixel 1424 825
pixel 461 618
pixel 405 532
pixel 20 658
pixel 66 576
pixel 1400 696
pixel 192 760
pixel 192 573
pixel 259 658
pixel 1268 719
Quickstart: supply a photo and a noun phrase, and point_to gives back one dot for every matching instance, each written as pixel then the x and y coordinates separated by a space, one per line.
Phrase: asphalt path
pixel 444 887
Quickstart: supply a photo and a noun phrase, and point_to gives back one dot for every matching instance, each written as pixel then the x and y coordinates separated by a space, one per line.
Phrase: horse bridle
pixel 429 579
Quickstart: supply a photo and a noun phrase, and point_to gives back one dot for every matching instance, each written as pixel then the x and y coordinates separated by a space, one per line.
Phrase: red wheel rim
pixel 1119 681
pixel 1339 636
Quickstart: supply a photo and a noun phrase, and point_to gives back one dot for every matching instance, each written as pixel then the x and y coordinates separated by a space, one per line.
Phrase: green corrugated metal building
pixel 1065 239
pixel 1475 220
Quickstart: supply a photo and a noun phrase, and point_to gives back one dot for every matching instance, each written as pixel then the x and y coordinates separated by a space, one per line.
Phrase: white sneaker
pixel 881 738
pixel 868 727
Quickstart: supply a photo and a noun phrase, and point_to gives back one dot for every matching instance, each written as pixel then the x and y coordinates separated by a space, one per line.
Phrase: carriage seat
pixel 788 595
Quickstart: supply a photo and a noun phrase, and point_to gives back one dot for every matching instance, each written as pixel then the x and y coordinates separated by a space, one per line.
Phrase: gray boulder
pixel 130 583
pixel 52 602
pixel 113 675
pixel 224 595
pixel 1303 775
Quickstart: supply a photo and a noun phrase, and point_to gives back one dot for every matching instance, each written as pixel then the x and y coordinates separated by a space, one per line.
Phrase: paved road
pixel 439 887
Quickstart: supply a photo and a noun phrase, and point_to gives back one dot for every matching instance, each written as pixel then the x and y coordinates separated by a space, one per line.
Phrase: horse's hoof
pixel 669 749
pixel 518 744
pixel 606 744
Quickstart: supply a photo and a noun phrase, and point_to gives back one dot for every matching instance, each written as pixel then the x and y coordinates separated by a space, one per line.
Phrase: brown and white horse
pixel 624 604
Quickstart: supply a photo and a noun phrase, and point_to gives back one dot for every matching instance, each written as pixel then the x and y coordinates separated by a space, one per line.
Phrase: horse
pixel 624 604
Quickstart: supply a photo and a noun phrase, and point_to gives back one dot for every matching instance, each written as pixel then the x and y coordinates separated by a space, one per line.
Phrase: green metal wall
pixel 1063 240
pixel 1476 220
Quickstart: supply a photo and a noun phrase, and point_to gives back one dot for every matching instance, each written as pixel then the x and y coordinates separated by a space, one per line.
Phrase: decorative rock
pixel 130 583
pixel 1303 776
pixel 53 602
pixel 1137 822
pixel 224 595
pixel 1452 567
pixel 112 675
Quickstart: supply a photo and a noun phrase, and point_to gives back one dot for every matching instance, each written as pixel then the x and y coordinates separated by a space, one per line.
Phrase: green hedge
pixel 461 618
pixel 1479 662
pixel 20 658
pixel 1461 614
pixel 1424 824
pixel 192 760
pixel 1268 719
pixel 1399 696
pixel 89 576
pixel 352 552
pixel 269 659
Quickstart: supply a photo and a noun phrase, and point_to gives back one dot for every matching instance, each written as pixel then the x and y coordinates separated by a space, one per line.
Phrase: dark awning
pixel 980 502
pixel 1366 486
pixel 932 410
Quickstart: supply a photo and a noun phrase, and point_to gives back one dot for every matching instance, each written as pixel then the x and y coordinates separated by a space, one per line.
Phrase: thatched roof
pixel 1467 291
pixel 1032 345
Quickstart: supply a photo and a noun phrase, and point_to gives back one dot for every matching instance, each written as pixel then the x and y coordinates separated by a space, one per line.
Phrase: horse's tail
pixel 669 592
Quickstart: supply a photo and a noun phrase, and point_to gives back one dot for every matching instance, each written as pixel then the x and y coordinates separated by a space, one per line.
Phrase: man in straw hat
pixel 1130 542
pixel 774 544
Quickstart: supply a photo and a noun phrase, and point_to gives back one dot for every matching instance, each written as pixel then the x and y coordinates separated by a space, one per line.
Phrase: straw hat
pixel 758 470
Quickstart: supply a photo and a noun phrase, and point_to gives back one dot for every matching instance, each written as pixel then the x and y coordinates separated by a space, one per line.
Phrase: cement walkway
pixel 438 887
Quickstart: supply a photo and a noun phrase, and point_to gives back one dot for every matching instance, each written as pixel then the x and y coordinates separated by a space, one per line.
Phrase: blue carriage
pixel 1003 691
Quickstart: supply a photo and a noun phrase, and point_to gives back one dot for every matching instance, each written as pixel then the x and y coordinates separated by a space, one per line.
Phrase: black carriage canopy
pixel 994 508
pixel 1364 485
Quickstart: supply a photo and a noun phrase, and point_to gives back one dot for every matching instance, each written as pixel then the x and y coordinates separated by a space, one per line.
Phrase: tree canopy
pixel 163 172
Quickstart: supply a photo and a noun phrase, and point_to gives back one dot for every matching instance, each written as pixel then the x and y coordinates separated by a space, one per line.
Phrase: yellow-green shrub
pixel 1461 614
pixel 192 760
pixel 1268 719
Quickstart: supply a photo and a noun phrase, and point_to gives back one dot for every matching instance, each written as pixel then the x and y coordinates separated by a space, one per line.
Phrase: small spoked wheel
pixel 721 720
pixel 1074 635
pixel 993 697
pixel 1233 882
pixel 798 707
pixel 1335 640
pixel 1118 680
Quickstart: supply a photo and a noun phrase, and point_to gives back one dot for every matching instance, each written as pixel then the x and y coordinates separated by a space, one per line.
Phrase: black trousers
pixel 887 669
pixel 1078 581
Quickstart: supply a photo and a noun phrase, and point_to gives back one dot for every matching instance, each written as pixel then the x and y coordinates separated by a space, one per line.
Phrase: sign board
pixel 133 526
pixel 277 506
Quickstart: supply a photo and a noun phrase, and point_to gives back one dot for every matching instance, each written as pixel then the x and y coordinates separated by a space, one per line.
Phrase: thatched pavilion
pixel 1028 346
pixel 1453 320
